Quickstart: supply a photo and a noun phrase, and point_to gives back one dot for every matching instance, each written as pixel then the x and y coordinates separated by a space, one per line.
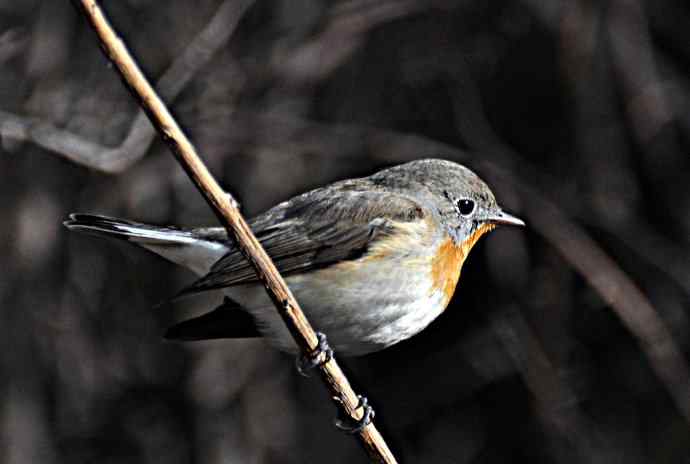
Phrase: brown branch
pixel 226 209
pixel 113 160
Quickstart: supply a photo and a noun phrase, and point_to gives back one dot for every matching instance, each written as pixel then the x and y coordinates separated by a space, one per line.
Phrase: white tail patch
pixel 150 235
pixel 195 254
pixel 183 247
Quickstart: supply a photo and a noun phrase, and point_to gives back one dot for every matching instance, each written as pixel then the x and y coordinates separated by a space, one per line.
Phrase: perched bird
pixel 372 261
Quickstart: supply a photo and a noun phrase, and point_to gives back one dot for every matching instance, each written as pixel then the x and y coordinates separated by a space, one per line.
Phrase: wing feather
pixel 315 230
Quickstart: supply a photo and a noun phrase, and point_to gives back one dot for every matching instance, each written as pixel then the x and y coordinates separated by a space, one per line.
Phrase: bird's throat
pixel 448 261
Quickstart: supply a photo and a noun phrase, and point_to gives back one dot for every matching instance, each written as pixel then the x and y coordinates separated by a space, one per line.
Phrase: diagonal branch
pixel 226 209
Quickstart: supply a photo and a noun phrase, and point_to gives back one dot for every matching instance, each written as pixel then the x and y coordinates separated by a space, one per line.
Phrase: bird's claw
pixel 350 425
pixel 320 356
pixel 314 359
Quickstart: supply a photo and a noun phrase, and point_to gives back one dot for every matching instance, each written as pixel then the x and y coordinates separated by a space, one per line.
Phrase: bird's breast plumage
pixel 447 262
pixel 445 270
pixel 391 293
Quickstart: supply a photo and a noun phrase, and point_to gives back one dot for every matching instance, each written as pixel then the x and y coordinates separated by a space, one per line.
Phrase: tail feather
pixel 195 249
pixel 127 230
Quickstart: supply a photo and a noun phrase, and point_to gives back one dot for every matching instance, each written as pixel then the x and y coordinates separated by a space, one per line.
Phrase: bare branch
pixel 226 210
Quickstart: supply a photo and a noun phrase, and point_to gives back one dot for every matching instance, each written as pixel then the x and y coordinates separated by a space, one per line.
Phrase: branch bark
pixel 225 207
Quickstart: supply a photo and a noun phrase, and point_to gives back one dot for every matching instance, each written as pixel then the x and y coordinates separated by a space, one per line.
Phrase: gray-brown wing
pixel 313 231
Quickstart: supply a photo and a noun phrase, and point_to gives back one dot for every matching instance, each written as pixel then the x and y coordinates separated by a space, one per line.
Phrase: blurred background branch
pixel 141 134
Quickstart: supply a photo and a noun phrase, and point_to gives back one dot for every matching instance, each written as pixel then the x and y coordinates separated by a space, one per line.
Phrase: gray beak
pixel 502 218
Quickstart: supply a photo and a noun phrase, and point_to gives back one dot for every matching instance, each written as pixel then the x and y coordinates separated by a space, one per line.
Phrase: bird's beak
pixel 502 218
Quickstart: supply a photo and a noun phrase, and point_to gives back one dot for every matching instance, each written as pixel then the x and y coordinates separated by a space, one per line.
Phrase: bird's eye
pixel 466 206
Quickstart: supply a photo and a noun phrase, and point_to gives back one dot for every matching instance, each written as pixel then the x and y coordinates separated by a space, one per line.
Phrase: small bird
pixel 372 261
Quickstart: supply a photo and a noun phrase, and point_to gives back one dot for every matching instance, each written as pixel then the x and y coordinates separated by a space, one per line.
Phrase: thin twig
pixel 226 209
pixel 141 134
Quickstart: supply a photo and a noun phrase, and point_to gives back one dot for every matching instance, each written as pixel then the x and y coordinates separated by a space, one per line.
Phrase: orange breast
pixel 448 260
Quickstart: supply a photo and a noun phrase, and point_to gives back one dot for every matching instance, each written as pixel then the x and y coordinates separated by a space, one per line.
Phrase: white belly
pixel 360 312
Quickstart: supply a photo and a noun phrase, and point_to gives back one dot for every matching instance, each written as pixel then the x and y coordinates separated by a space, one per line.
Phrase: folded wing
pixel 316 230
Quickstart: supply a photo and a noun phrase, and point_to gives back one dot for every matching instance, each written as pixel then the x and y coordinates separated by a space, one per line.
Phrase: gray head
pixel 463 202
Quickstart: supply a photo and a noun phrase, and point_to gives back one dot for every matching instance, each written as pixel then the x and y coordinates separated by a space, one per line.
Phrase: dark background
pixel 565 342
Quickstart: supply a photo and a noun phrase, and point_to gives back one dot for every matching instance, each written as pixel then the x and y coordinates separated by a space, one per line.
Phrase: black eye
pixel 466 206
